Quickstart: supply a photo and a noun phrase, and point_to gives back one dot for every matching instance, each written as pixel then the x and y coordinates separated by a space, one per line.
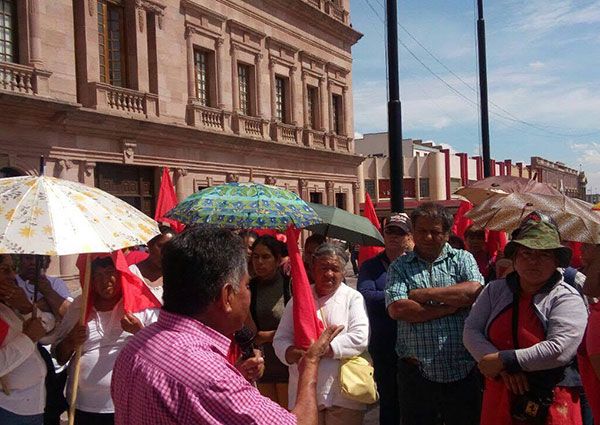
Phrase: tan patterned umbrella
pixel 482 190
pixel 575 218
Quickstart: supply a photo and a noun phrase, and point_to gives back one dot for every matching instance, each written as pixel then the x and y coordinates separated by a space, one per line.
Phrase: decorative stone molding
pixel 203 19
pixel 355 187
pixel 232 178
pixel 128 147
pixel 88 167
pixel 91 7
pixel 303 183
pixel 270 180
pixel 180 172
pixel 329 185
pixel 153 6
pixel 141 14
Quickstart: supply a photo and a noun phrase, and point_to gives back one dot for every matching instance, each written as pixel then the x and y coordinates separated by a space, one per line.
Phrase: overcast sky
pixel 543 61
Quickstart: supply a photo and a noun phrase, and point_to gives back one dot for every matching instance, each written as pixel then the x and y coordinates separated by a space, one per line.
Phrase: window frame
pixel 104 7
pixel 207 100
pixel 245 97
pixel 281 98
pixel 337 113
pixel 312 106
pixel 13 30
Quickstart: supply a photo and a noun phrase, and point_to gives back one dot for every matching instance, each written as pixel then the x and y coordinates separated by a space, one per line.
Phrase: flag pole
pixel 85 293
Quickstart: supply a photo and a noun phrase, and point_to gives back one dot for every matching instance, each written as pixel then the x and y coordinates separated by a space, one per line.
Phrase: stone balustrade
pixel 286 133
pixel 119 99
pixel 315 138
pixel 208 118
pixel 23 79
pixel 245 125
pixel 330 8
pixel 339 143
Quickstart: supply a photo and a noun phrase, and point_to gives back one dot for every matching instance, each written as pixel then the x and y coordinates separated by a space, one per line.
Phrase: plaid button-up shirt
pixel 436 344
pixel 176 372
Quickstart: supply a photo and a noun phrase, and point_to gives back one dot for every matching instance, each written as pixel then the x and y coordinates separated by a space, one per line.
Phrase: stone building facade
pixel 110 91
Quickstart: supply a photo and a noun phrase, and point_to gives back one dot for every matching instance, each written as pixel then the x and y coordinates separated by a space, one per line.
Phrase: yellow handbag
pixel 356 377
pixel 357 380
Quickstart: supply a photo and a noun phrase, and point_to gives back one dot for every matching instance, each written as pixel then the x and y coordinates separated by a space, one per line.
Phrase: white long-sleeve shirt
pixel 345 306
pixel 22 368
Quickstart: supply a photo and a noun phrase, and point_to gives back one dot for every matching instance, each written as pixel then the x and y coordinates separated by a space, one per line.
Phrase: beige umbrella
pixel 575 218
pixel 482 190
pixel 49 216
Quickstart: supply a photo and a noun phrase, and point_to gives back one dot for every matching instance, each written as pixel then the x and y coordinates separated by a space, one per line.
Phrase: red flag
pixel 307 326
pixel 461 223
pixel 136 295
pixel 367 252
pixel 167 200
pixel 495 241
pixel 3 330
pixel 576 258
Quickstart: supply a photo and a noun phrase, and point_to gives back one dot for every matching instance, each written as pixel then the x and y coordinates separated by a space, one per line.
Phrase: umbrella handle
pixel 77 358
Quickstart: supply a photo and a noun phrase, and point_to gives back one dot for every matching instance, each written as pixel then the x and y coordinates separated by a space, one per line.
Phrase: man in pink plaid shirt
pixel 176 370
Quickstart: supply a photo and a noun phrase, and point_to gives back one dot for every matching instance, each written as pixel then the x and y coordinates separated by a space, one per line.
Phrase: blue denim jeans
pixel 10 418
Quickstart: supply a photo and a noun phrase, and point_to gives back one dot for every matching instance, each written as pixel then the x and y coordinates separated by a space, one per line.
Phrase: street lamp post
pixel 394 111
pixel 483 92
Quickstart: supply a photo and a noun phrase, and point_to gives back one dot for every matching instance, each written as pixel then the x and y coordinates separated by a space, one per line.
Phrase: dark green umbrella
pixel 340 224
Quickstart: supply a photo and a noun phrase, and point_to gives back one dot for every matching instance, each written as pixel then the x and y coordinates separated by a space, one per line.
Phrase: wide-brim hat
pixel 538 231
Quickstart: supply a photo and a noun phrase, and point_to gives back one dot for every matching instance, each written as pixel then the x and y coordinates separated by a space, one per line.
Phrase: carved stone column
pixel 258 78
pixel 235 87
pixel 141 80
pixel 273 91
pixel 62 167
pixel 347 107
pixel 191 85
pixel 220 62
pixel 35 36
pixel 179 177
pixel 324 94
pixel 306 119
pixel 303 188
pixel 293 93
pixel 329 185
pixel 356 197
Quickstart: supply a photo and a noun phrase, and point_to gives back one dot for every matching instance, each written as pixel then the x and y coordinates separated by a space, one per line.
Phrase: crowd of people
pixel 457 335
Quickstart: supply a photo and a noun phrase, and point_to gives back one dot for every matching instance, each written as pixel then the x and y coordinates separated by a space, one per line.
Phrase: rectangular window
pixel 370 188
pixel 8 31
pixel 316 197
pixel 340 200
pixel 424 188
pixel 244 88
pixel 281 99
pixel 202 76
pixel 336 111
pixel 313 102
pixel 111 43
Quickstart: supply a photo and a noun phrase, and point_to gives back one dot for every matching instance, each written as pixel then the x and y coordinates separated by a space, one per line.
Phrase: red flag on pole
pixel 461 223
pixel 495 241
pixel 367 252
pixel 307 326
pixel 167 199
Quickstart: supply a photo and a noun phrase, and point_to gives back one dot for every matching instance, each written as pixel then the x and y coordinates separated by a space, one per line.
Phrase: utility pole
pixel 394 111
pixel 483 92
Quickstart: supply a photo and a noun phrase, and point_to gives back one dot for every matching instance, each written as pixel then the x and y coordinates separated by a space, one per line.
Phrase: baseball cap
pixel 401 221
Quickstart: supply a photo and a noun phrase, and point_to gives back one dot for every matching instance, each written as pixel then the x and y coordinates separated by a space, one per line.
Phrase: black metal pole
pixel 483 92
pixel 394 111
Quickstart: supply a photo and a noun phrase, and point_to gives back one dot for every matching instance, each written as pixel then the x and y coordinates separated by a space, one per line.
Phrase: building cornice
pixel 72 118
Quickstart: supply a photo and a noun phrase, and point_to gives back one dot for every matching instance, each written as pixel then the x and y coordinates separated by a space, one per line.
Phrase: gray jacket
pixel 560 309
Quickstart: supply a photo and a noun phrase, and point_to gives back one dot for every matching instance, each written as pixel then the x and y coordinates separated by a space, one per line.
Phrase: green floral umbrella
pixel 245 206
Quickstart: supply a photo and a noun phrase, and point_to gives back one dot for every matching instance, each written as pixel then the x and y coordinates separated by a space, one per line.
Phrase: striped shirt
pixel 176 372
pixel 436 344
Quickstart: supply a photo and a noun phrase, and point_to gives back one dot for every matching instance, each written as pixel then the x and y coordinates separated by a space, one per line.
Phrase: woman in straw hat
pixel 524 331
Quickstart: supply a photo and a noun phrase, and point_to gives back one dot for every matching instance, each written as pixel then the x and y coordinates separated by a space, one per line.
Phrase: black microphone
pixel 244 338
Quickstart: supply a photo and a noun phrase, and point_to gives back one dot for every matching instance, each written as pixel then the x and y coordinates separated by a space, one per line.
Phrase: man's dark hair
pixel 248 234
pixel 102 262
pixel 196 265
pixel 315 238
pixel 433 211
pixel 277 248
